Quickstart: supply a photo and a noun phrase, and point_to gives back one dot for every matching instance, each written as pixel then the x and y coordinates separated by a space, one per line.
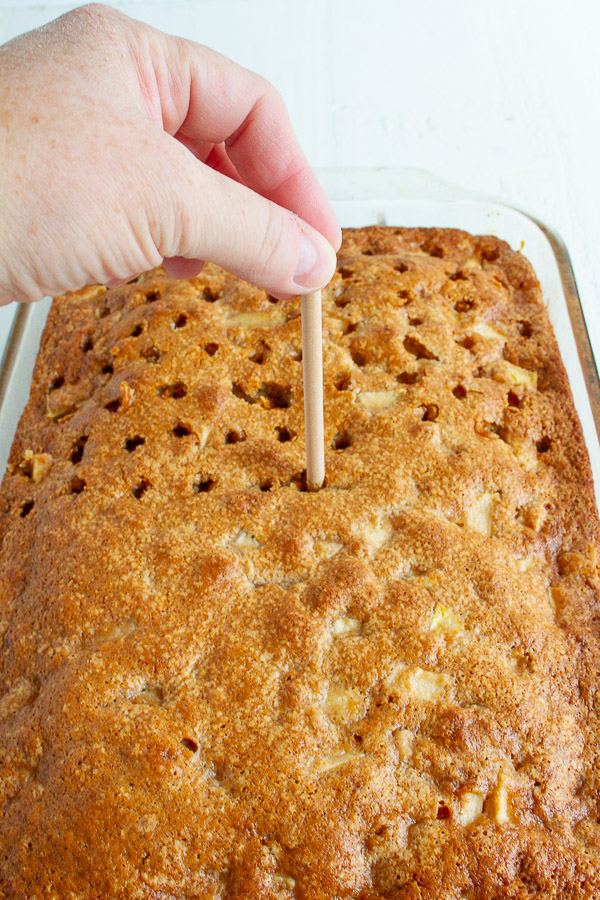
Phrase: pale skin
pixel 121 147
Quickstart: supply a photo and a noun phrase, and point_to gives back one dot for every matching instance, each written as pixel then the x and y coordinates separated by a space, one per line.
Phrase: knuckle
pixel 271 95
pixel 95 20
pixel 93 12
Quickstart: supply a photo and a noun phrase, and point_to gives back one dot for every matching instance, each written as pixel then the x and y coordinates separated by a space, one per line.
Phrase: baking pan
pixel 386 196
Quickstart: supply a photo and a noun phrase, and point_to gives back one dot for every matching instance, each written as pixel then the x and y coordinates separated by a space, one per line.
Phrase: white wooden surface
pixel 499 96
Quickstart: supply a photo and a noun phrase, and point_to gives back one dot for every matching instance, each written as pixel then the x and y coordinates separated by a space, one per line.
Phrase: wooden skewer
pixel 312 370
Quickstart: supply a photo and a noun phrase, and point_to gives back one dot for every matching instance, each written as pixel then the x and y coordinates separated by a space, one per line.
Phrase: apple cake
pixel 217 684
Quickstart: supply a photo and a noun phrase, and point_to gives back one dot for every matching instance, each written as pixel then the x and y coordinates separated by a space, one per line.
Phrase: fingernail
pixel 315 263
pixel 181 267
pixel 307 259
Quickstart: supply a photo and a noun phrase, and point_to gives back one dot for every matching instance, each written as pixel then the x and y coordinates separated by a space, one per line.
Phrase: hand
pixel 121 146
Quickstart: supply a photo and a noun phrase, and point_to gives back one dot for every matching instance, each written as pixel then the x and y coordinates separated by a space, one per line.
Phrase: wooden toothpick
pixel 312 369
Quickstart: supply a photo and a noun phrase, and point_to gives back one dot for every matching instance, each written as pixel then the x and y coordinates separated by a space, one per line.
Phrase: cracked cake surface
pixel 215 684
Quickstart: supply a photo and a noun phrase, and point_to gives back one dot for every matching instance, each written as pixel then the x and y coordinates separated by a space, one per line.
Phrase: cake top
pixel 216 684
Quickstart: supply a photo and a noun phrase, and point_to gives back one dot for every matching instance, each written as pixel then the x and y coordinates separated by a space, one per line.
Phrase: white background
pixel 499 96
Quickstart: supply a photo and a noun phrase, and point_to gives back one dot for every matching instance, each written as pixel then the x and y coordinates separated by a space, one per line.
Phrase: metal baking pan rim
pixel 12 348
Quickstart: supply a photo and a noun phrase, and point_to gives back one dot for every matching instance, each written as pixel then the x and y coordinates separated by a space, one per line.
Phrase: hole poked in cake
pixel 189 744
pixel 342 382
pixel 342 301
pixel 416 347
pixel 210 348
pixel 132 443
pixel 359 357
pixel 180 321
pixel 544 444
pixel 77 485
pixel 181 430
pixel 284 434
pixel 487 428
pixel 177 390
pixel 341 441
pixel 209 294
pixel 408 377
pixel 443 810
pixel 77 449
pixel 429 412
pixel 87 343
pixel 56 383
pixel 138 329
pixel 235 436
pixel 113 406
pixel 275 396
pixel 459 391
pixel 260 353
pixel 465 304
pixel 108 368
pixel 435 250
pixel 238 391
pixel 524 328
pixel 203 484
pixel 490 252
pixel 299 481
pixel 151 355
pixel 141 487
pixel 270 395
pixel 26 507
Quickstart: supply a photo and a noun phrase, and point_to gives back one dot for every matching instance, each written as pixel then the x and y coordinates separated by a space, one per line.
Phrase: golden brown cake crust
pixel 214 684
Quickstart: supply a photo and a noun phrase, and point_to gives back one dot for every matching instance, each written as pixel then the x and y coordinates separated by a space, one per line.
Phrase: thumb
pixel 218 219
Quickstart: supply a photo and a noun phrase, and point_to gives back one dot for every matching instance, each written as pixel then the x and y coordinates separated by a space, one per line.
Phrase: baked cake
pixel 215 684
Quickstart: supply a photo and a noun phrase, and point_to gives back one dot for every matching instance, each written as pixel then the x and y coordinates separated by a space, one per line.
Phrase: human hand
pixel 121 146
